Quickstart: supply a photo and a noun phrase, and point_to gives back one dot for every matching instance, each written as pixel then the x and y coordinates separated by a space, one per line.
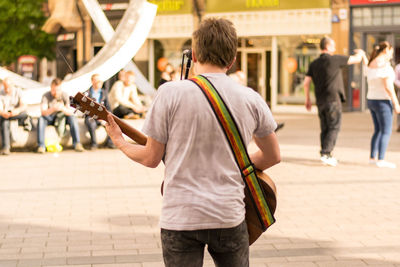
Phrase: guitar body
pixel 97 111
pixel 253 223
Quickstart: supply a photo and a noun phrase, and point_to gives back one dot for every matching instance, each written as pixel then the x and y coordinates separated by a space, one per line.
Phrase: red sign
pixel 372 2
pixel 27 59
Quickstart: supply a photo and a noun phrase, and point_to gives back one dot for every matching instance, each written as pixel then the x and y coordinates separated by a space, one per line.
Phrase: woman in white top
pixel 381 101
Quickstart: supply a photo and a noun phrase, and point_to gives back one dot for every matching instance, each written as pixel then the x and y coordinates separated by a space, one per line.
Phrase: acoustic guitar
pixel 97 111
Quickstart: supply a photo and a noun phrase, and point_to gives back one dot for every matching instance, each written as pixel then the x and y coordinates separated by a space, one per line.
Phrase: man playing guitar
pixel 203 187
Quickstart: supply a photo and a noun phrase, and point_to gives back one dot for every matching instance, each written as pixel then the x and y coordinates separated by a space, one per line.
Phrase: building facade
pixel 277 40
pixel 370 23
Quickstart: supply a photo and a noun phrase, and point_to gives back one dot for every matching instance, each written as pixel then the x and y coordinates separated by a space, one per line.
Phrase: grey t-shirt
pixel 10 101
pixel 49 100
pixel 203 187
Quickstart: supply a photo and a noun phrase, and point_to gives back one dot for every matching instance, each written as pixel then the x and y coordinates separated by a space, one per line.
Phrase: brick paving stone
pixel 310 258
pixel 153 264
pixel 29 263
pixel 91 260
pixel 6 263
pixel 101 209
pixel 115 252
pixel 292 264
pixel 349 263
pixel 119 265
pixel 4 257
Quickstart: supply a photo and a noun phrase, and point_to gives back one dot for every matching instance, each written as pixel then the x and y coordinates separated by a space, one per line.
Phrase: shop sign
pixel 114 6
pixel 372 2
pixel 65 37
pixel 27 59
pixel 26 65
pixel 165 7
pixel 342 13
pixel 214 6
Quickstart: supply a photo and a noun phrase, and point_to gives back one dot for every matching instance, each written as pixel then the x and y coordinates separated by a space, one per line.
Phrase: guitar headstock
pixel 89 107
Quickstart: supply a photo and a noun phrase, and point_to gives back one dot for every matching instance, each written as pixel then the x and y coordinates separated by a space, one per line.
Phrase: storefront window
pixel 367 16
pixel 376 16
pixel 295 57
pixel 396 15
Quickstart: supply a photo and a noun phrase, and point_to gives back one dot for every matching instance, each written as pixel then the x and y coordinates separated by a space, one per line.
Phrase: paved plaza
pixel 99 209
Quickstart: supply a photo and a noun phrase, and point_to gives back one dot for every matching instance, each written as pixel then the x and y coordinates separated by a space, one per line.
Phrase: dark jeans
pixel 49 120
pixel 122 111
pixel 5 127
pixel 330 117
pixel 228 247
pixel 92 125
pixel 382 116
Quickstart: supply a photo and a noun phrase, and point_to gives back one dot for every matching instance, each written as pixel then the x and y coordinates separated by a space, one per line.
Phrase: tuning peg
pixel 100 108
pixel 84 99
pixel 77 107
pixel 92 103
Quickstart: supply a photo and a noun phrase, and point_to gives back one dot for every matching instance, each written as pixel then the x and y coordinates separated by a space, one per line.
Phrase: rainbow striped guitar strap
pixel 239 150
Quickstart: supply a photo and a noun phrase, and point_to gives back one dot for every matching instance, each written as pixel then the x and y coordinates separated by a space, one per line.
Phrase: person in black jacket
pixel 326 74
pixel 100 95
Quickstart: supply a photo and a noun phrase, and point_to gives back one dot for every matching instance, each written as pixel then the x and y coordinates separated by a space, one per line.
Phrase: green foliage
pixel 20 31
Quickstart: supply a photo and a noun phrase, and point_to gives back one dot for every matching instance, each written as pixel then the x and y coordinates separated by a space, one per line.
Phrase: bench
pixel 25 140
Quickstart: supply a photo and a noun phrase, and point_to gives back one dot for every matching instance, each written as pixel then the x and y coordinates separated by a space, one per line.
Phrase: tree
pixel 20 31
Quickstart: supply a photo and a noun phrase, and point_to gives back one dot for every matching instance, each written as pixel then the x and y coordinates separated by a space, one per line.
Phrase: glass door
pixel 255 69
pixel 396 56
pixel 253 63
pixel 373 39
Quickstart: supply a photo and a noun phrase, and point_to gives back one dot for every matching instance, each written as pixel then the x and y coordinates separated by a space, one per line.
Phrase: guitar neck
pixel 131 132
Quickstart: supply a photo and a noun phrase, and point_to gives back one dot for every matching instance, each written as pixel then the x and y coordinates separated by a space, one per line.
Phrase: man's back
pixel 327 77
pixel 201 175
pixel 203 189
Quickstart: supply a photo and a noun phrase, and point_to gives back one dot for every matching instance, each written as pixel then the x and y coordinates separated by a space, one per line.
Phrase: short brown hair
pixel 56 81
pixel 215 42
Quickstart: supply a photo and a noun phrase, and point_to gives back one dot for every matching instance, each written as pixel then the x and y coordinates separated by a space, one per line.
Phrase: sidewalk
pixel 101 209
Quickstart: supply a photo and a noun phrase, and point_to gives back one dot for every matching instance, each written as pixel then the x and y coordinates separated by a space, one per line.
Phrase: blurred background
pixel 277 39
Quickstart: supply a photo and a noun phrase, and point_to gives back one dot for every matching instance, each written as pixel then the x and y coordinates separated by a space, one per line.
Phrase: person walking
pixel 203 187
pixel 326 74
pixel 382 100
